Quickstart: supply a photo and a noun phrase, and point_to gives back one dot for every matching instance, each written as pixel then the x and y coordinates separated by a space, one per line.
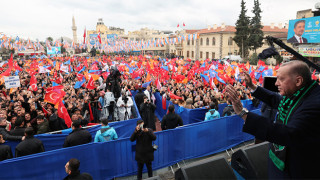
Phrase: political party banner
pixel 310 51
pixel 54 50
pixel 306 30
pixel 12 82
pixel 93 39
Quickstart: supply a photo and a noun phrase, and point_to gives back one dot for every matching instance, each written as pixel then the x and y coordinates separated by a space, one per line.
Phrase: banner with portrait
pixel 305 30
pixel 93 39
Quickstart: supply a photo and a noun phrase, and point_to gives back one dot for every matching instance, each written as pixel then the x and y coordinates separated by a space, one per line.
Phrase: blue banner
pixel 93 39
pixel 54 50
pixel 306 30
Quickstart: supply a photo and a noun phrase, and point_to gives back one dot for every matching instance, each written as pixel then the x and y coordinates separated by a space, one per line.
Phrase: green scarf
pixel 277 152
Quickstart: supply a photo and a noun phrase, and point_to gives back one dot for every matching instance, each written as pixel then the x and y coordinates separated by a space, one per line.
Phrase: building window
pixel 213 41
pixel 200 54
pixel 207 55
pixel 207 42
pixel 187 54
pixel 213 55
pixel 192 54
pixel 188 43
pixel 201 41
pixel 192 42
pixel 230 40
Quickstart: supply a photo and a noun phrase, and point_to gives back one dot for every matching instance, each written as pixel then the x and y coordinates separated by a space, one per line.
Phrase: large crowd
pixel 92 88
pixel 57 93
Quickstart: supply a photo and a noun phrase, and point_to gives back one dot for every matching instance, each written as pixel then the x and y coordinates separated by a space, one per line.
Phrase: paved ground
pixel 167 172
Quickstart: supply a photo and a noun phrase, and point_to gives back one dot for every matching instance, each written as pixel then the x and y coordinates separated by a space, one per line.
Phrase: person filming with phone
pixel 295 131
pixel 147 113
pixel 144 148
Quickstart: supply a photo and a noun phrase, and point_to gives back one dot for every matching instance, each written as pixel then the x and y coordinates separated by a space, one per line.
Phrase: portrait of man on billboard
pixel 298 31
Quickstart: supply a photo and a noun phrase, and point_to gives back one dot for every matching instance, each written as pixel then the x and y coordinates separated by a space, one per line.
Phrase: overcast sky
pixel 38 19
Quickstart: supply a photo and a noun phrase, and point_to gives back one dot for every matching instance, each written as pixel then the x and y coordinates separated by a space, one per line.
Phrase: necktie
pixel 300 39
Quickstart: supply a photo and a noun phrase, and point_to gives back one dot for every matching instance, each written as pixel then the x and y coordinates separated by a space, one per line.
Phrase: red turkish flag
pixel 33 84
pixel 60 87
pixel 85 63
pixel 173 96
pixel 6 73
pixel 10 62
pixel 90 84
pixel 63 113
pixel 59 80
pixel 52 97
pixel 17 67
pixel 105 75
pixel 99 37
pixel 164 102
pixel 80 76
pixel 84 36
pixel 95 67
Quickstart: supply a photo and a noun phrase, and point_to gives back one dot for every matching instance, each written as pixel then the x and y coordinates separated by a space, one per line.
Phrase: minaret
pixel 74 30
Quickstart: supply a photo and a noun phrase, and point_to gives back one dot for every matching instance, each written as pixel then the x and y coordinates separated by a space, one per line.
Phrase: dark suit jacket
pixel 77 137
pixel 294 40
pixel 144 149
pixel 301 135
pixel 30 145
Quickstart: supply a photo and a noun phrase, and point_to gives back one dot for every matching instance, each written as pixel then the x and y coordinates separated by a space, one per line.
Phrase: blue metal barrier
pixel 116 158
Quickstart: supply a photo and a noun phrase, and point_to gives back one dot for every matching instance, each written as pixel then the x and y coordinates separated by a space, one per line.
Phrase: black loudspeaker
pixel 213 168
pixel 252 162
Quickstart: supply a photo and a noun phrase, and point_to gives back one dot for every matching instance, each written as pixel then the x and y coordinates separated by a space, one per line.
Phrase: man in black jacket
pixel 77 136
pixel 55 122
pixel 171 120
pixel 19 127
pixel 139 98
pixel 296 128
pixel 30 145
pixel 144 148
pixel 72 169
pixel 147 113
pixel 5 150
pixel 5 133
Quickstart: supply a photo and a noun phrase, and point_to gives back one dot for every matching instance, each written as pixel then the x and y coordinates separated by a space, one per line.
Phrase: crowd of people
pixel 91 89
pixel 71 92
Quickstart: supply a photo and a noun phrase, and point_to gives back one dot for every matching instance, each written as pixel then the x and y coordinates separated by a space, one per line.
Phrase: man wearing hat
pixel 144 148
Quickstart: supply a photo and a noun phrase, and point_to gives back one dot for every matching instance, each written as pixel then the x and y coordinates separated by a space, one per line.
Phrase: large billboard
pixel 54 50
pixel 93 39
pixel 306 30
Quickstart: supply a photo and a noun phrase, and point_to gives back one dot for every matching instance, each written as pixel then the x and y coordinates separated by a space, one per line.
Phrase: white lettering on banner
pixel 12 82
